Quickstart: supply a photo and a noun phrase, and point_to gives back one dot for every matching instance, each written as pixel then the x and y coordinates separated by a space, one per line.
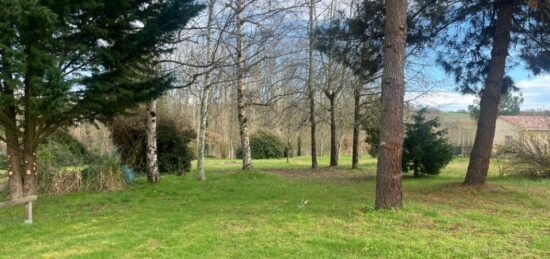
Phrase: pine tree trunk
pixel 241 105
pixel 14 154
pixel 310 90
pixel 205 95
pixel 14 166
pixel 152 163
pixel 388 177
pixel 356 126
pixel 333 140
pixel 15 180
pixel 483 144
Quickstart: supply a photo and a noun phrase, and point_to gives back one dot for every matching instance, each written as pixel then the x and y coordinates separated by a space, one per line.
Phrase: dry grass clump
pixel 63 181
pixel 105 174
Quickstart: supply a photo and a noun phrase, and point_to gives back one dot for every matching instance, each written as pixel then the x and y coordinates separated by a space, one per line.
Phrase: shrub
pixel 60 159
pixel 173 154
pixel 528 155
pixel 105 175
pixel 370 122
pixel 373 139
pixel 265 145
pixel 129 137
pixel 62 149
pixel 65 166
pixel 58 167
pixel 425 149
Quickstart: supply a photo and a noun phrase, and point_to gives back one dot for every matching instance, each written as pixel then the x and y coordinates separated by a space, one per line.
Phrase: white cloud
pixel 539 82
pixel 103 43
pixel 447 100
pixel 536 92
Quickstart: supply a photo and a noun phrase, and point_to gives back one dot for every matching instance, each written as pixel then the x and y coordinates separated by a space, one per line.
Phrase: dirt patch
pixel 153 244
pixel 324 174
pixel 488 196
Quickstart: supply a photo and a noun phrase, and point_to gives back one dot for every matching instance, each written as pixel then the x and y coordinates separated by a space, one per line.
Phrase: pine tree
pixel 425 149
pixel 63 62
pixel 473 43
pixel 388 173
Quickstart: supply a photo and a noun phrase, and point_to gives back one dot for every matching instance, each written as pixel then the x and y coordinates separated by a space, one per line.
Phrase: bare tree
pixel 310 87
pixel 356 123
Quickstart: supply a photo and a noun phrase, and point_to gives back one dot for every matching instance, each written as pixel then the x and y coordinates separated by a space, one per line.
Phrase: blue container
pixel 129 174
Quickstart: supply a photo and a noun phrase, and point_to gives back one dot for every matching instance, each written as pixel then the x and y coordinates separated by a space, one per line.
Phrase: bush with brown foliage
pixel 529 154
pixel 174 155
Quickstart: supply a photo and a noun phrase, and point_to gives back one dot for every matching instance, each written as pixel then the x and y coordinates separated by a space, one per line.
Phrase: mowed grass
pixel 286 210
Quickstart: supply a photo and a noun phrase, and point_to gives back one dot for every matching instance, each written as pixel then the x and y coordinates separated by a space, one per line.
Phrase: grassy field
pixel 455 115
pixel 286 210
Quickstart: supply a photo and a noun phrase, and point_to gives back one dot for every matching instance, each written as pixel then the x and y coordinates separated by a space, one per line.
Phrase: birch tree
pixel 153 175
pixel 205 93
pixel 241 70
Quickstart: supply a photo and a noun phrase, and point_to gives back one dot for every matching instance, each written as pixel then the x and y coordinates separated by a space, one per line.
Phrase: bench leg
pixel 28 213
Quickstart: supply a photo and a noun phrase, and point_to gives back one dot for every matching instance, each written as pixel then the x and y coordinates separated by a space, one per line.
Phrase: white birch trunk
pixel 241 106
pixel 205 95
pixel 152 163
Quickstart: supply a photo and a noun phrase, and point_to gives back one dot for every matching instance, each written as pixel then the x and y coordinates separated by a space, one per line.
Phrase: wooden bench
pixel 28 206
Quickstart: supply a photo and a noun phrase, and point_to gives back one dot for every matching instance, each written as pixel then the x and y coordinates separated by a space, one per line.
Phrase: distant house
pixel 509 128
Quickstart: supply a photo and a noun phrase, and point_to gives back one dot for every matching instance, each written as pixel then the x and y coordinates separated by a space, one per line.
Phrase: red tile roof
pixel 528 122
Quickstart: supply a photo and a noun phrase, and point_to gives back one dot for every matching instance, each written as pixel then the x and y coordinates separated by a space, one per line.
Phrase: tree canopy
pixel 465 34
pixel 83 60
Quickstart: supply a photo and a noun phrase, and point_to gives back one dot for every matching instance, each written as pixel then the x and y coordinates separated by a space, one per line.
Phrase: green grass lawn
pixel 286 210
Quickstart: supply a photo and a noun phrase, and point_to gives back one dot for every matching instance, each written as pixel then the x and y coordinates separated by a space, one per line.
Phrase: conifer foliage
pixel 475 42
pixel 64 61
pixel 425 149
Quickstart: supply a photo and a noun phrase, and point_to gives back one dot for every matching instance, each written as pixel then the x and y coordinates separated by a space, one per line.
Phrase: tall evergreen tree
pixel 473 44
pixel 62 62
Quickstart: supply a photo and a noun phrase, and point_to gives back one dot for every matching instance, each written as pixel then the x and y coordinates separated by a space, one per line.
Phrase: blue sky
pixel 535 90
